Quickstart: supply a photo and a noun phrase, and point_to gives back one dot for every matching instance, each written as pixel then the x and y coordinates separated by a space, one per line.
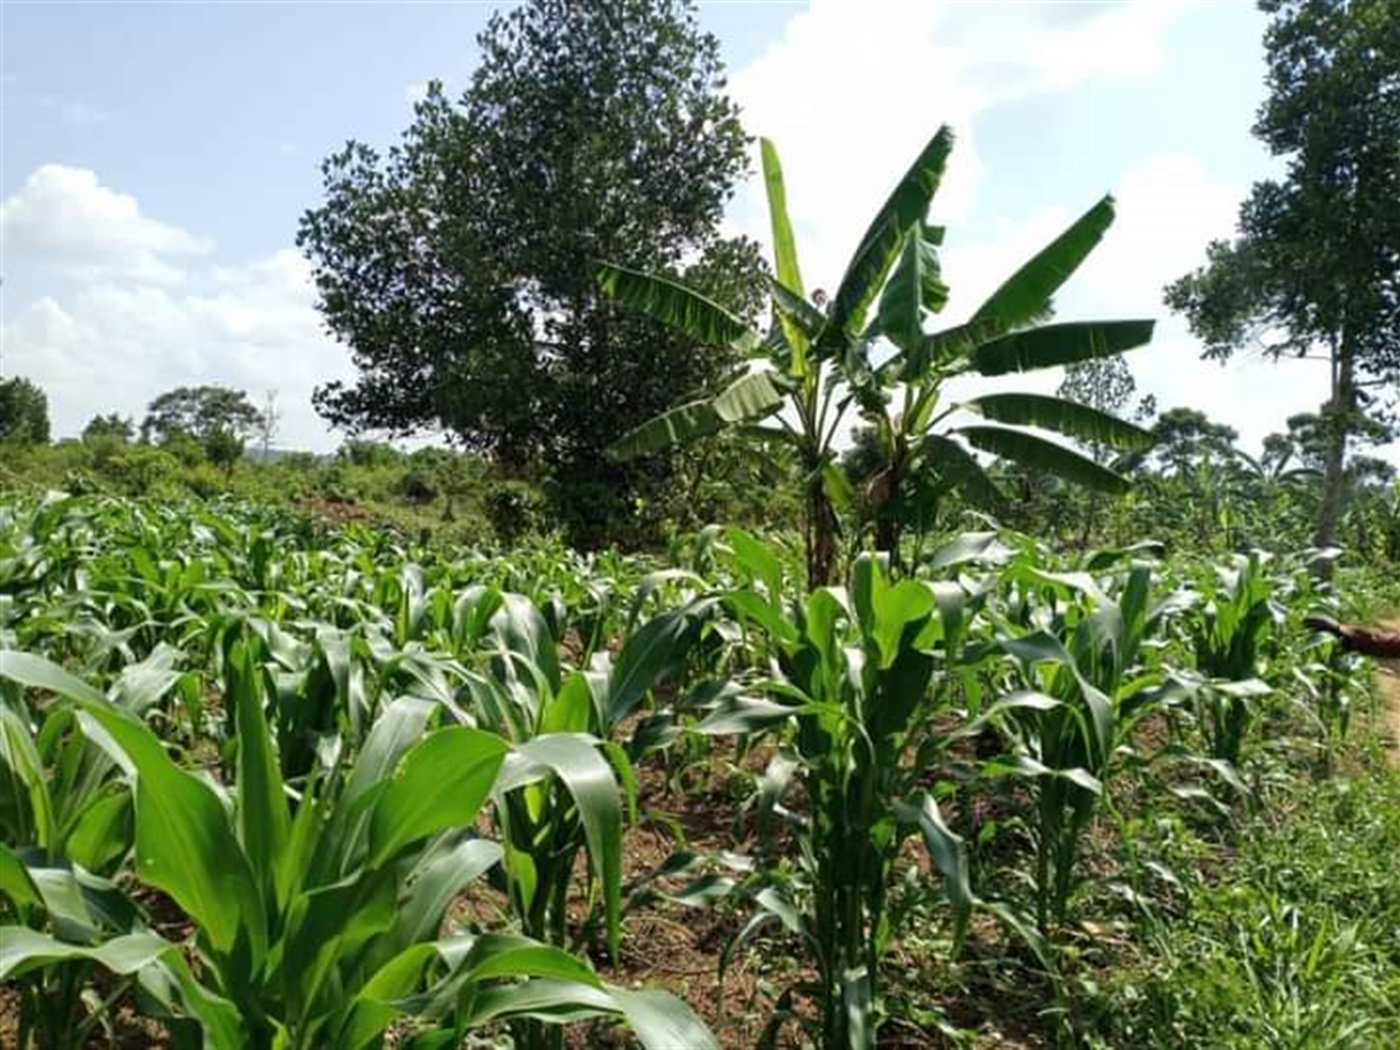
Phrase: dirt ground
pixel 1388 674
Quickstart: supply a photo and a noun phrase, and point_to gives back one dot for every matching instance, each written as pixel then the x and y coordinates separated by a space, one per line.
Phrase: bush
pixel 594 515
pixel 337 484
pixel 145 471
pixel 515 509
pixel 205 481
pixel 369 454
pixel 81 483
pixel 184 448
pixel 418 486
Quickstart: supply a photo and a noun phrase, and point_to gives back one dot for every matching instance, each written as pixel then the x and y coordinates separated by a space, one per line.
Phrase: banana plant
pixel 821 358
pixel 795 393
pixel 900 397
pixel 318 916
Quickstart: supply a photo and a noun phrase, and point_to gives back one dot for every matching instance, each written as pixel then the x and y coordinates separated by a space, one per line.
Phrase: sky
pixel 155 159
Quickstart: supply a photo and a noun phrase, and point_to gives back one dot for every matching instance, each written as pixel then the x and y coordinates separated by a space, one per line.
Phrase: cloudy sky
pixel 154 160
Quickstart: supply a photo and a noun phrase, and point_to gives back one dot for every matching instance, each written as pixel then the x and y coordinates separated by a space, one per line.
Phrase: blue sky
pixel 154 159
pixel 215 115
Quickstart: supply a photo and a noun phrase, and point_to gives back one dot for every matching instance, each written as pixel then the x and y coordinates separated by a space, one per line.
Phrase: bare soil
pixel 1388 677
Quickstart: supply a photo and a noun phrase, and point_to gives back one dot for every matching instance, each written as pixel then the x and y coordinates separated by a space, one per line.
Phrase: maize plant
pixel 317 915
pixel 1229 633
pixel 566 791
pixel 853 693
pixel 1081 680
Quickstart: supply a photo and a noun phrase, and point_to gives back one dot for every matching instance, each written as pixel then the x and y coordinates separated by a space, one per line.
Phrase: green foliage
pixel 111 427
pixel 206 414
pixel 584 132
pixel 1295 947
pixel 316 858
pixel 821 362
pixel 1083 685
pixel 384 785
pixel 224 447
pixel 24 412
pixel 1104 383
pixel 142 470
pixel 1229 636
pixel 856 676
pixel 515 510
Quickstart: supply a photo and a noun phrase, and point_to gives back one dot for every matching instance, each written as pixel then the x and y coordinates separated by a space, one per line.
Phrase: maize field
pixel 267 783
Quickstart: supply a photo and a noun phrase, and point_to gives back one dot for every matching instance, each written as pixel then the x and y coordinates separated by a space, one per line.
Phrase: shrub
pixel 515 509
pixel 418 486
pixel 142 470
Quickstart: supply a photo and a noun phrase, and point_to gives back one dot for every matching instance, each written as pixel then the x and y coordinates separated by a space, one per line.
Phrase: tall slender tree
pixel 1105 384
pixel 1315 269
pixel 267 427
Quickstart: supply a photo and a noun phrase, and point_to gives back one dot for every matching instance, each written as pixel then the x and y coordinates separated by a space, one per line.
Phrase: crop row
pixel 285 787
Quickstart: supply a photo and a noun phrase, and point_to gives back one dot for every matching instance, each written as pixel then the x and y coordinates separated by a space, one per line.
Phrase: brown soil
pixel 335 511
pixel 129 1030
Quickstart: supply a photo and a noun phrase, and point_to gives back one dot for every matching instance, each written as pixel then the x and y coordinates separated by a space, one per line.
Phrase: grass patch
pixel 1295 943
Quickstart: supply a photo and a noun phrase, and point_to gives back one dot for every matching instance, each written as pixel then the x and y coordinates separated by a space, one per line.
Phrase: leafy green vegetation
pixel 822 361
pixel 273 783
pixel 929 743
pixel 1296 947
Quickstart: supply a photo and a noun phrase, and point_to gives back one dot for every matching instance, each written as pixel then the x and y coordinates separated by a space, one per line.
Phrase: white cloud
pixel 64 219
pixel 852 91
pixel 152 310
pixel 1169 208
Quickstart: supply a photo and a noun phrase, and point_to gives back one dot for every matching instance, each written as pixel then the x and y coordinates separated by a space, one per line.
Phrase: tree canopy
pixel 457 266
pixel 201 413
pixel 24 411
pixel 113 426
pixel 1102 383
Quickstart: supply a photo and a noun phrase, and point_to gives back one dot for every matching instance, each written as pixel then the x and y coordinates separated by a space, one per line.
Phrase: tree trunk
pixel 1091 513
pixel 821 536
pixel 1340 412
pixel 888 529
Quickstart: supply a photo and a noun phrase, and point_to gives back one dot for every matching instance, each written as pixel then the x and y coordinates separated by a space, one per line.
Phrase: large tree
pixel 24 411
pixel 458 266
pixel 216 419
pixel 1315 269
pixel 110 427
pixel 200 413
